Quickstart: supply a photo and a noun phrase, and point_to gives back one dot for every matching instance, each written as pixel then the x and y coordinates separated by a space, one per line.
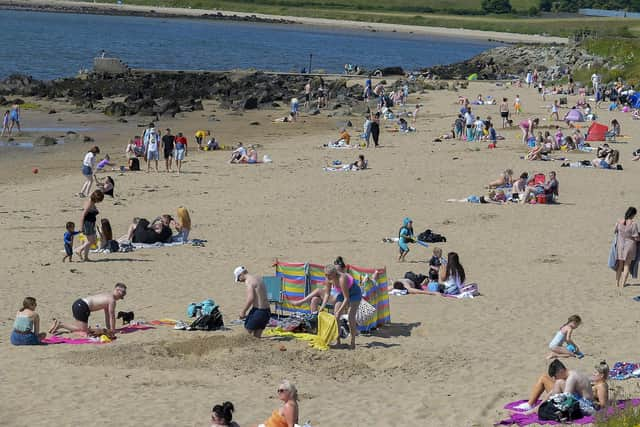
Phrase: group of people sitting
pixel 160 230
pixel 525 190
pixel 445 276
pixel 244 155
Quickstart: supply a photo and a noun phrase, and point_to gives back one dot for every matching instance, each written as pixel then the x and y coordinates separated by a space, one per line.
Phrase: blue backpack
pixel 203 308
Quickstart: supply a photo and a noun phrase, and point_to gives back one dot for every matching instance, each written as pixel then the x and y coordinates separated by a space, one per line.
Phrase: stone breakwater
pixel 168 93
pixel 508 61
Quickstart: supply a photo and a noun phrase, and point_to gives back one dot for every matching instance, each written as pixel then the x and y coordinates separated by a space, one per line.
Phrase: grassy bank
pixel 621 51
pixel 411 12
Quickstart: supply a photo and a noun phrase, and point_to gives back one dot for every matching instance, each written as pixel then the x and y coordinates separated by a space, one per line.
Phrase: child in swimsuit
pixel 564 336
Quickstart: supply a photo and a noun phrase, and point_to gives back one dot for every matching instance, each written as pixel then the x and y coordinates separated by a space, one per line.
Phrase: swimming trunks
pixel 81 310
pixel 257 319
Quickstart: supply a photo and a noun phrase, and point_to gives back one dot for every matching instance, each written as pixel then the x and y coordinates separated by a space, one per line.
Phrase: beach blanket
pixel 59 339
pixel 624 370
pixel 341 168
pixel 327 332
pixel 523 419
pixel 341 146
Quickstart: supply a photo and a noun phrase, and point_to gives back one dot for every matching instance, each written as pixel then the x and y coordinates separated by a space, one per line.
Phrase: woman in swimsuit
pixel 505 180
pixel 564 336
pixel 88 221
pixel 287 414
pixel 347 299
pixel 527 127
pixel 317 295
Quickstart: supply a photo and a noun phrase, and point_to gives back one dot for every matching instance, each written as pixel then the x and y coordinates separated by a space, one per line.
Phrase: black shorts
pixel 199 140
pixel 81 310
pixel 168 154
pixel 68 249
pixel 504 114
pixel 307 97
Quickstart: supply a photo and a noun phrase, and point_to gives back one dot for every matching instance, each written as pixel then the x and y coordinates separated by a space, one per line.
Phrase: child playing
pixel 517 106
pixel 435 262
pixel 554 111
pixel 105 162
pixel 68 240
pixel 564 335
pixel 493 135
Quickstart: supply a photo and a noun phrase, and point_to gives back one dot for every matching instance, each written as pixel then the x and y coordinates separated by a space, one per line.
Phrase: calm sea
pixel 51 45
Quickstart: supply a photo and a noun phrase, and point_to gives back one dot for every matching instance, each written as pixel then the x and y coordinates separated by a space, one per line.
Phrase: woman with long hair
pixel 627 238
pixel 452 274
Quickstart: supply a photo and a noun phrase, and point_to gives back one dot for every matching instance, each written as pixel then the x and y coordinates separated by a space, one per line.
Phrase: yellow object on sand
pixel 82 238
pixel 327 332
pixel 105 339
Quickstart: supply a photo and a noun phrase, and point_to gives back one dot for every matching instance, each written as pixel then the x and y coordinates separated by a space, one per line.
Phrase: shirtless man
pixel 258 317
pixel 83 307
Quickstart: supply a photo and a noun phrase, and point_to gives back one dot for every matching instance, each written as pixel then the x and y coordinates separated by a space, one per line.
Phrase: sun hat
pixel 237 272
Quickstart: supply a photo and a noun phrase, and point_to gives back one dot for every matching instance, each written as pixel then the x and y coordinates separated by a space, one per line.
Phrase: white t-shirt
pixel 89 160
pixel 595 79
pixel 468 118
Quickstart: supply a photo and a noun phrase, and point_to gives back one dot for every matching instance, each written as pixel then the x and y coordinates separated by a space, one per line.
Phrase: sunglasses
pixel 281 390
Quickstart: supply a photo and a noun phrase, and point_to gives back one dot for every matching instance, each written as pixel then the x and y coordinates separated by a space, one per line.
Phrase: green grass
pixel 624 51
pixel 629 417
pixel 409 12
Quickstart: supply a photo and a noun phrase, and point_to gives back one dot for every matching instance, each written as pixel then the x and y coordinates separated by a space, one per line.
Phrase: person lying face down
pixel 141 231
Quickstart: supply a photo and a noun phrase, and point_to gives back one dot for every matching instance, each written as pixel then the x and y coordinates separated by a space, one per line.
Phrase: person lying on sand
pixel 504 180
pixel 497 197
pixel 413 288
pixel 83 307
pixel 286 119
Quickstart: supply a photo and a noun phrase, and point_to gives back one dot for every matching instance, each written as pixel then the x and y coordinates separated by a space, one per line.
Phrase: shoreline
pixel 63 6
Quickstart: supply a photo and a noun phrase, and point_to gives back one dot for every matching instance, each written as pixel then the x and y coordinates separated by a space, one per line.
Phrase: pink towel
pixel 57 339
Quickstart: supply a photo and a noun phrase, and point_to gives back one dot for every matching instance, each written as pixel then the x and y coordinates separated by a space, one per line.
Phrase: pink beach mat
pixel 521 419
pixel 58 339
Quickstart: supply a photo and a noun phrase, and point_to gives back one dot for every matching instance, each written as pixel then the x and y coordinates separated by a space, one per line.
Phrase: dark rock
pixel 116 109
pixel 52 111
pixel 250 103
pixel 45 141
pixel 254 124
pixel 392 71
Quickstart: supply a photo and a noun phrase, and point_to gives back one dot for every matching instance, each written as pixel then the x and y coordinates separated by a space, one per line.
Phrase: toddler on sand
pixel 68 241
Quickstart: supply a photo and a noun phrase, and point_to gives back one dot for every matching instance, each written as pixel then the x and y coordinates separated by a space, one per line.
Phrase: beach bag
pixel 431 237
pixel 113 246
pixel 208 322
pixel 204 308
pixel 560 408
pixel 135 164
pixel 365 313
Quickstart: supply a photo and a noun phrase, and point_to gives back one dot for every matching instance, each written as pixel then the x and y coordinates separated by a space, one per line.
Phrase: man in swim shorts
pixel 83 307
pixel 258 317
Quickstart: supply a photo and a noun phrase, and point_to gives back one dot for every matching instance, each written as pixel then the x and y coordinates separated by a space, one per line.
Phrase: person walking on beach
pixel 168 143
pixel 307 95
pixel 626 245
pixel 181 150
pixel 375 129
pixel 504 112
pixel 152 146
pixel 5 123
pixel 83 307
pixel 468 121
pixel 88 221
pixel 88 170
pixel 255 312
pixel 14 118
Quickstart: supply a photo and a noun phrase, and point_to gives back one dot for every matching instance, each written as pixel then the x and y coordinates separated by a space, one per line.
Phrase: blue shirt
pixel 68 236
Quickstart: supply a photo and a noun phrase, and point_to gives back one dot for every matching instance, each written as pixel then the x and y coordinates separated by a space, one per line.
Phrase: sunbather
pixel 414 288
pixel 608 162
pixel 544 386
pixel 504 180
pixel 287 414
pixel 549 189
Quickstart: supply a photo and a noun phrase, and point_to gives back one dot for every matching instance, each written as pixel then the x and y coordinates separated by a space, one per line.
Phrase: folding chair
pixel 273 284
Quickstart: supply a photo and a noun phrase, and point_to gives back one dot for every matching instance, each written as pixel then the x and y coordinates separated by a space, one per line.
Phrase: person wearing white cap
pixel 257 304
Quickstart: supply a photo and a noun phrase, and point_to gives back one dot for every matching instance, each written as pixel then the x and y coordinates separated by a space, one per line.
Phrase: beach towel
pixel 522 419
pixel 59 339
pixel 327 332
pixel 624 370
pixel 342 168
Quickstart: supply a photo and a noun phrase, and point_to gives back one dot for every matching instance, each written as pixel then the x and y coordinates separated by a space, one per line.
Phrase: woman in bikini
pixel 527 127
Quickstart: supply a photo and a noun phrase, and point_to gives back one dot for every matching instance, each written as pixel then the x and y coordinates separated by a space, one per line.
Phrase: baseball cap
pixel 238 271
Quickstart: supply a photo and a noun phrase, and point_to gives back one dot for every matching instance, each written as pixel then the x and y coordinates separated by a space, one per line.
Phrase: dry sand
pixel 330 23
pixel 440 363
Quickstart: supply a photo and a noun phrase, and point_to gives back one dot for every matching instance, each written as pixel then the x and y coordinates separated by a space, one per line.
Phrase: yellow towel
pixel 327 332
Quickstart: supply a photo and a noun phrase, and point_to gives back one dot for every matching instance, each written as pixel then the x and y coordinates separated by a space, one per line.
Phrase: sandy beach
pixel 441 362
pixel 330 23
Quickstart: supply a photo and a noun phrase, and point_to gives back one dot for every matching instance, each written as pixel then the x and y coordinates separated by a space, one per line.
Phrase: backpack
pixel 415 278
pixel 113 246
pixel 204 308
pixel 561 408
pixel 208 322
pixel 431 237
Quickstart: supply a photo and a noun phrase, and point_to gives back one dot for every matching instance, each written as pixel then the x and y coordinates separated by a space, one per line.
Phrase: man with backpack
pixel 257 318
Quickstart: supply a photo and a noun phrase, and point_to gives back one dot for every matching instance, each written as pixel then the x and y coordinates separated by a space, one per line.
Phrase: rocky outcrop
pixel 168 93
pixel 508 61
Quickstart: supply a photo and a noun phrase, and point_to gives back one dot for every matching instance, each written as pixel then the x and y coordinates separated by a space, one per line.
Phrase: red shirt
pixel 181 140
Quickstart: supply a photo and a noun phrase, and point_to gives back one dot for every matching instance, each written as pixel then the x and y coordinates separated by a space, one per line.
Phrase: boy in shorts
pixel 68 241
